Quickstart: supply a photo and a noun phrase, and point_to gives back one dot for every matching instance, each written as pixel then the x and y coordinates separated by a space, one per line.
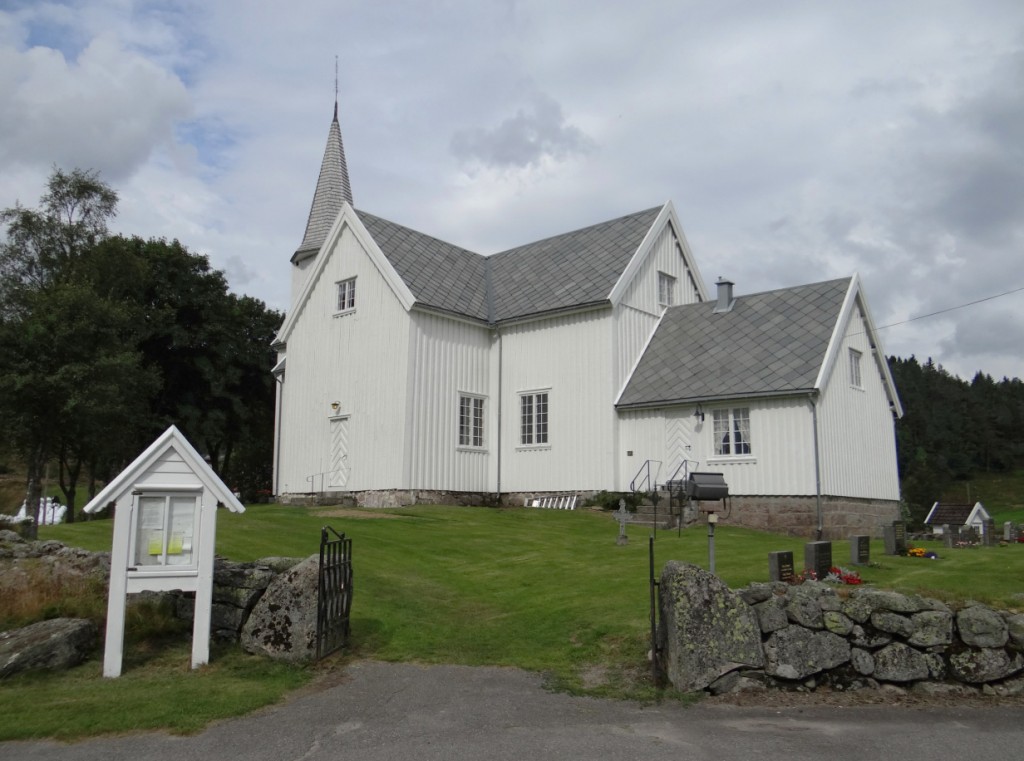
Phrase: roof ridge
pixel 574 232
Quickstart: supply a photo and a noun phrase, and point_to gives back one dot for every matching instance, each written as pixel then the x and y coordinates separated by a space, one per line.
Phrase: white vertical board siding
pixel 857 435
pixel 641 432
pixel 638 312
pixel 782 449
pixel 666 255
pixel 782 443
pixel 357 359
pixel 569 357
pixel 448 357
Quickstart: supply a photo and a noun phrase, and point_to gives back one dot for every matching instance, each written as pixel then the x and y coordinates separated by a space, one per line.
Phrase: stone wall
pixel 391 498
pixel 798 516
pixel 814 634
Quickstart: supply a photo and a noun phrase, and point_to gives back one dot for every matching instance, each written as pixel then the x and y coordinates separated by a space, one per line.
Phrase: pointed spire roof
pixel 332 189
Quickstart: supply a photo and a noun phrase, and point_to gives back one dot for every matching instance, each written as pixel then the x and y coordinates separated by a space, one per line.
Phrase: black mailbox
pixel 707 486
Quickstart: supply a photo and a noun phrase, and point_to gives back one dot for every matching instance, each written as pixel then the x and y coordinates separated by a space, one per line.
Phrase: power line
pixel 951 309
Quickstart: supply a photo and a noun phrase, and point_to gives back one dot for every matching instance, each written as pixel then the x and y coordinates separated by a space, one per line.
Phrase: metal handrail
pixel 684 465
pixel 647 478
pixel 311 480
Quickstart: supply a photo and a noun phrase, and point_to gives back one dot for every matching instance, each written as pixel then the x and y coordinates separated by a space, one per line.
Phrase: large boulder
pixel 57 644
pixel 984 665
pixel 706 629
pixel 899 663
pixel 282 625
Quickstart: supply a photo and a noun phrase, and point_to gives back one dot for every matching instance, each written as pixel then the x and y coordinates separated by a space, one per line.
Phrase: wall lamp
pixel 335 406
pixel 699 413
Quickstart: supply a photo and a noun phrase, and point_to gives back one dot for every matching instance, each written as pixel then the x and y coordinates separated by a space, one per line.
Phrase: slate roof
pixel 570 270
pixel 439 274
pixel 769 343
pixel 332 189
pixel 954 515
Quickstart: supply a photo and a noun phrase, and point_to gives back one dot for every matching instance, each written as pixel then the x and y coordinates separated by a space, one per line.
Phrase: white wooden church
pixel 413 370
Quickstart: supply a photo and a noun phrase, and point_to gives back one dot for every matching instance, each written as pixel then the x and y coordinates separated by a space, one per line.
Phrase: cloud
pixel 537 132
pixel 107 110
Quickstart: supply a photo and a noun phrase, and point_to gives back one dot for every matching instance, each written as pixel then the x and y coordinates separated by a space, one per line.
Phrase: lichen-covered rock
pixel 59 643
pixel 884 599
pixel 771 616
pixel 837 622
pixel 893 623
pixel 755 592
pixel 982 627
pixel 857 610
pixel 868 639
pixel 706 629
pixel 897 662
pixel 802 608
pixel 1015 629
pixel 931 628
pixel 797 653
pixel 984 665
pixel 283 623
pixel 862 661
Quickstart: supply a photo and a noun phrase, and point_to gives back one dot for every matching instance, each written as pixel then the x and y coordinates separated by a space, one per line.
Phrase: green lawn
pixel 544 590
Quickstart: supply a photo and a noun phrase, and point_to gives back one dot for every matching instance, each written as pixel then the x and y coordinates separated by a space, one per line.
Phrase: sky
pixel 799 141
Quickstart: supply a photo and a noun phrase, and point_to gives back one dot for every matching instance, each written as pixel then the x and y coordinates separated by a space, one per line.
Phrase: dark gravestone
pixel 780 566
pixel 948 535
pixel 895 538
pixel 990 533
pixel 818 558
pixel 860 550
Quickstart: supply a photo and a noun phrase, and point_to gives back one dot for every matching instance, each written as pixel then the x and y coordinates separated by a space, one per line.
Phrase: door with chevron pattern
pixel 678 440
pixel 338 476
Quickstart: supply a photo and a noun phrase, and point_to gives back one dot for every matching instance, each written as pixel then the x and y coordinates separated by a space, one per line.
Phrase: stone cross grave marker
pixel 780 566
pixel 623 518
pixel 860 549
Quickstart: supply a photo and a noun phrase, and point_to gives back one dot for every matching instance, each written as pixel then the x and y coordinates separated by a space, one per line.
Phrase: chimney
pixel 725 299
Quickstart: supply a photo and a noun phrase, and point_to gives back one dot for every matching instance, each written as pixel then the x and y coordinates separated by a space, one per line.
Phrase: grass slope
pixel 543 590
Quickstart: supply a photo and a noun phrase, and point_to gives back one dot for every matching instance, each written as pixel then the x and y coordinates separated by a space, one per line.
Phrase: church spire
pixel 332 189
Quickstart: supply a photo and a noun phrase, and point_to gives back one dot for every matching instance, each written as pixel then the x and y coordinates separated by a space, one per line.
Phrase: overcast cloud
pixel 799 141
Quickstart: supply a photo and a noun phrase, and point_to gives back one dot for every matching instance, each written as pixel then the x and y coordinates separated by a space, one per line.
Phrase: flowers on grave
pixel 921 552
pixel 838 575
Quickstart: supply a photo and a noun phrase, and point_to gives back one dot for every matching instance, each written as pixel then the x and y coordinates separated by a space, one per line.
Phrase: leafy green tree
pixel 40 246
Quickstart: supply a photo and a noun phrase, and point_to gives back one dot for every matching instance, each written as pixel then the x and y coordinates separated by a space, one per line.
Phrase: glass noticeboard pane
pixel 149 542
pixel 181 526
pixel 165 530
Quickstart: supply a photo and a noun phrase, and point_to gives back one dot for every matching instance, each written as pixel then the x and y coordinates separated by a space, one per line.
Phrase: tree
pixel 35 260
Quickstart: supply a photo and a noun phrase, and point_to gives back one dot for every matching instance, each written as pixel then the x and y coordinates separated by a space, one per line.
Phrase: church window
pixel 471 421
pixel 533 418
pixel 347 295
pixel 732 431
pixel 666 289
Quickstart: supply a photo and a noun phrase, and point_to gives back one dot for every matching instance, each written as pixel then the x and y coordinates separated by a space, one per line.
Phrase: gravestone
pixel 818 558
pixel 780 566
pixel 1010 532
pixel 623 518
pixel 948 538
pixel 989 537
pixel 895 538
pixel 860 549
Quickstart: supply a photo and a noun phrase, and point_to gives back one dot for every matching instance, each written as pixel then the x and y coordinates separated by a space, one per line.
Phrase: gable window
pixel 732 431
pixel 347 295
pixel 666 289
pixel 855 379
pixel 533 418
pixel 471 421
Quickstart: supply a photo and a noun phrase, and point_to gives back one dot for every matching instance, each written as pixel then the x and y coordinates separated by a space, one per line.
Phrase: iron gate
pixel 334 592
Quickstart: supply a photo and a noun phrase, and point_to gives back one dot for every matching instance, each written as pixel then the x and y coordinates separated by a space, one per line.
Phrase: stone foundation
pixel 392 498
pixel 798 516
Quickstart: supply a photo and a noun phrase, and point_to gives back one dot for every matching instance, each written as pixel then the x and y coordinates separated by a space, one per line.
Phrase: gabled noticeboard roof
pixel 171 439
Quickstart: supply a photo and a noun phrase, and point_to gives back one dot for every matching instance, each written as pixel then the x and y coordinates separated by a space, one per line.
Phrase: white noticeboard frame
pixel 165 526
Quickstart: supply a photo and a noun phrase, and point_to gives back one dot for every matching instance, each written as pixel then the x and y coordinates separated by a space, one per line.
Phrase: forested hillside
pixel 953 429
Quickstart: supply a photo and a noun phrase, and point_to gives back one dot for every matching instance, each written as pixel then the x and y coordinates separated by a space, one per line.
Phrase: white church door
pixel 337 478
pixel 678 443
